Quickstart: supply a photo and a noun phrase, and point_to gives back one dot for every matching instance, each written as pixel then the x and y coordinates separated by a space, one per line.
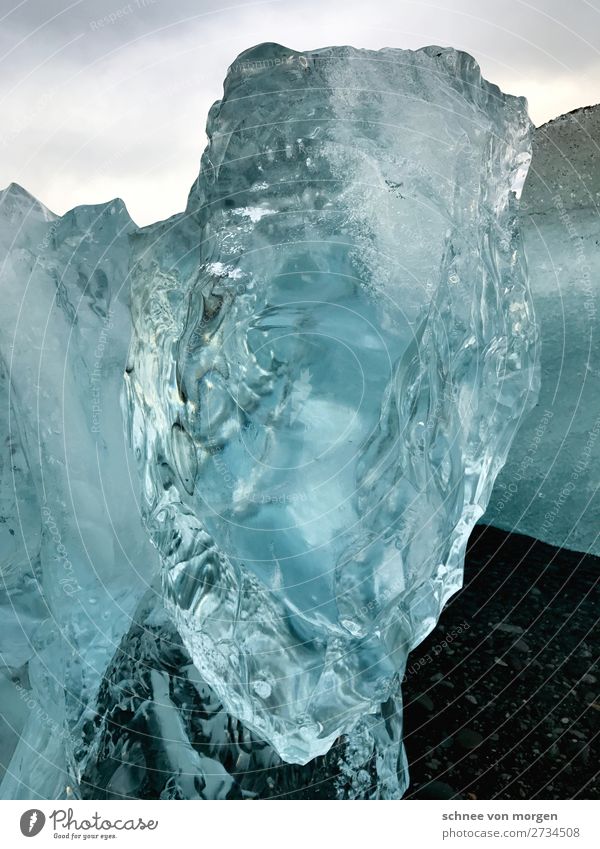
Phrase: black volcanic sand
pixel 502 699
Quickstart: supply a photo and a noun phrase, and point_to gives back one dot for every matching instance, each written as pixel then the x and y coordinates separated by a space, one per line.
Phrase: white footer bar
pixel 307 825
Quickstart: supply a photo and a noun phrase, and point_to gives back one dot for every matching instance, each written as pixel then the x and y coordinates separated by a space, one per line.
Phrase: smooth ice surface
pixel 81 559
pixel 332 348
pixel 549 485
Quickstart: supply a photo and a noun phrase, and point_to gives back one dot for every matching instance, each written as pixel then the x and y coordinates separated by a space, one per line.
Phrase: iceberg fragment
pixel 331 349
pixel 64 332
pixel 549 486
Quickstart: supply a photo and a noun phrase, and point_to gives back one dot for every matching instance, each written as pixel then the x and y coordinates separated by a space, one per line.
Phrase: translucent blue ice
pixel 326 358
pixel 332 349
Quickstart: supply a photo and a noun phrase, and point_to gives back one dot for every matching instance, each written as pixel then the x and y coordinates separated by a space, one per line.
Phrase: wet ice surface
pixel 331 351
pixel 549 485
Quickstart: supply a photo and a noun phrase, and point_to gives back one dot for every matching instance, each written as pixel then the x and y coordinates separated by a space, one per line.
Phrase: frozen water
pixel 549 486
pixel 72 587
pixel 332 348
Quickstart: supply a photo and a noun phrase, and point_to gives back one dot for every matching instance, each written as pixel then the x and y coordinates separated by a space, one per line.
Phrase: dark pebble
pixel 435 790
pixel 425 702
pixel 468 738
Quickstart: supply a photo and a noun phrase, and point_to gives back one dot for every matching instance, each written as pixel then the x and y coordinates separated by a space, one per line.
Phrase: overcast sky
pixel 93 109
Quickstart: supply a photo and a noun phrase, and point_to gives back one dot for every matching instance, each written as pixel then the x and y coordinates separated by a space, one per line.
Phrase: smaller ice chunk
pixel 549 486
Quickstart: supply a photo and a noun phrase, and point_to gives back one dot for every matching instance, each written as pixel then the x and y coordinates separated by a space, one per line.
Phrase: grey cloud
pixel 114 95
